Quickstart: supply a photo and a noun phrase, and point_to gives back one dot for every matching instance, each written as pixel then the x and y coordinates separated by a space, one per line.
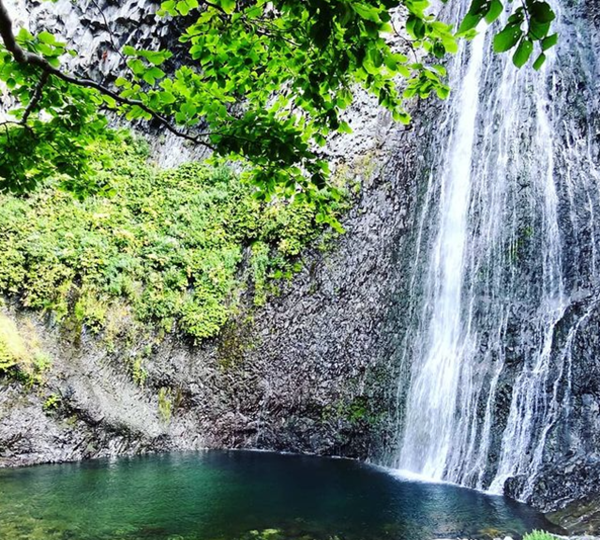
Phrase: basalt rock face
pixel 499 391
pixel 308 372
pixel 527 400
pixel 568 480
pixel 97 30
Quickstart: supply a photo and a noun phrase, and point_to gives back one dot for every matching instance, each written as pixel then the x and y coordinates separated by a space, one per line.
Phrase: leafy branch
pixel 25 57
pixel 528 24
pixel 263 82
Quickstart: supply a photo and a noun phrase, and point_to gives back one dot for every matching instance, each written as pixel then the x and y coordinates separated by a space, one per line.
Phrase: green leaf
pixel 149 78
pixel 541 12
pixel 494 11
pixel 46 50
pixel 440 69
pixel 167 97
pixel 156 72
pixel 469 23
pixel 549 42
pixel 523 52
pixel 375 56
pixel 415 27
pixel 169 7
pixel 538 30
pixel 367 12
pixel 24 35
pixel 185 6
pixel 156 57
pixel 442 92
pixel 401 116
pixel 507 39
pixel 344 127
pixel 111 102
pixel 228 6
pixel 137 66
pixel 450 43
pixel 539 62
pixel 439 51
pixel 46 37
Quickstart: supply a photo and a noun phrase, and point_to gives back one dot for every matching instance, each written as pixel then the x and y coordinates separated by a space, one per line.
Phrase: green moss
pixel 165 403
pixel 259 262
pixel 164 253
pixel 12 349
pixel 41 364
pixel 236 338
pixel 366 167
pixel 139 373
pixel 521 244
pixel 356 412
pixel 21 356
pixel 52 403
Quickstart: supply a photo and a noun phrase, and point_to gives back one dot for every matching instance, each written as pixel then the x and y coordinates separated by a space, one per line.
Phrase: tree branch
pixel 36 96
pixel 7 123
pixel 25 57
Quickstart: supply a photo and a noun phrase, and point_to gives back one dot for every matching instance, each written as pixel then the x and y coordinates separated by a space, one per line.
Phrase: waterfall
pixel 435 389
pixel 500 260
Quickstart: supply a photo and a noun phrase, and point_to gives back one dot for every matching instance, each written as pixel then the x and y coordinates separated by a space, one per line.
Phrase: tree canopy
pixel 264 82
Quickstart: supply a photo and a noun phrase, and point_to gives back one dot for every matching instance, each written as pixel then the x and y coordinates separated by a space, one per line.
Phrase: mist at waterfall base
pixel 505 267
pixel 225 494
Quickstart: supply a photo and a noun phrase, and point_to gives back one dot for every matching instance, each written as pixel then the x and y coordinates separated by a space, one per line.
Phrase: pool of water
pixel 225 495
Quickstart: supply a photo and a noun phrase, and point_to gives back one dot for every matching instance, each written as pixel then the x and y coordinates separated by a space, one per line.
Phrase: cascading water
pixel 500 259
pixel 435 388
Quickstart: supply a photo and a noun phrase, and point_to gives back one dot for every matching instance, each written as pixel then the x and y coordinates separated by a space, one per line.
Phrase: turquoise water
pixel 225 495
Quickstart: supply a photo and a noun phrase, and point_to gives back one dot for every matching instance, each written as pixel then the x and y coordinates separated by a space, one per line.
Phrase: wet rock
pixel 315 372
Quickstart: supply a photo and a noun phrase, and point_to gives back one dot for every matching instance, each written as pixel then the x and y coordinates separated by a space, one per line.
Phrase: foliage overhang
pixel 264 82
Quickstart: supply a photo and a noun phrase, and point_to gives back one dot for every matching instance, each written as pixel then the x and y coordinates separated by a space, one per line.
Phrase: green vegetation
pixel 235 339
pixel 12 348
pixel 519 245
pixel 270 534
pixel 52 403
pixel 357 412
pixel 138 371
pixel 174 250
pixel 263 82
pixel 21 357
pixel 165 403
pixel 539 535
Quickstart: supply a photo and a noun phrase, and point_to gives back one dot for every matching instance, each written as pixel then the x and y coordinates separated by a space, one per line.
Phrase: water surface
pixel 226 494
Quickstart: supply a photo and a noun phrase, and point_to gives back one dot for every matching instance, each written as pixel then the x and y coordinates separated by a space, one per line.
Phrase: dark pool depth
pixel 224 495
